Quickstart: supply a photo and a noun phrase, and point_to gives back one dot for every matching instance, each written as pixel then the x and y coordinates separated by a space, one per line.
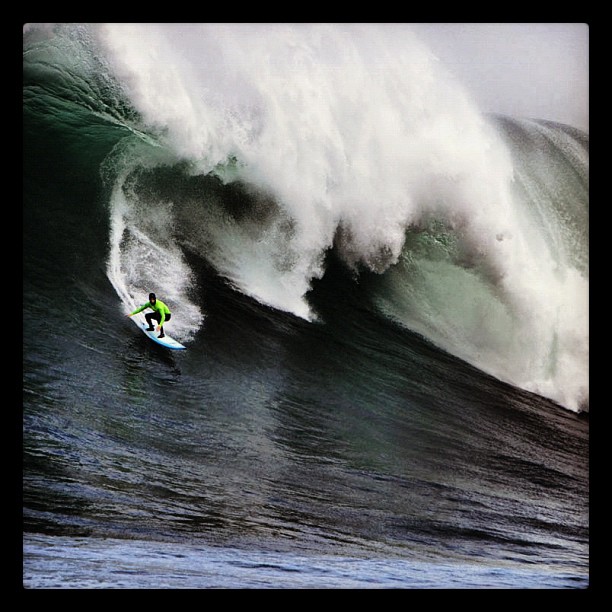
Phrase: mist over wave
pixel 260 148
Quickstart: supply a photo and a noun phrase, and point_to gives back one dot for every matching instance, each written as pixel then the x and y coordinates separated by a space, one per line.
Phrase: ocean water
pixel 383 294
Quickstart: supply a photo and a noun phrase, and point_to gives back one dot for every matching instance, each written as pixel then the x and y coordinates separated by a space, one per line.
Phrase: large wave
pixel 259 148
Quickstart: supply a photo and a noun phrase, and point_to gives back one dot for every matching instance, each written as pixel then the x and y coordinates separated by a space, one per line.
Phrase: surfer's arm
pixel 163 310
pixel 138 309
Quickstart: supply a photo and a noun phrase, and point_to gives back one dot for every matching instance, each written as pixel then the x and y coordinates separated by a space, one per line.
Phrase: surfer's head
pixel 152 298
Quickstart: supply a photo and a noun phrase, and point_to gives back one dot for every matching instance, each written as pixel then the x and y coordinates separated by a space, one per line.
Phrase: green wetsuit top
pixel 159 306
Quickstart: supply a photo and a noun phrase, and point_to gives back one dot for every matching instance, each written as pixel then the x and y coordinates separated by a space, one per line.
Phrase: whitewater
pixel 352 139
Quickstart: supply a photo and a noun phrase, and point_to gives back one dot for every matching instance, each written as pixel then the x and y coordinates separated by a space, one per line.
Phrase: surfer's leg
pixel 149 316
pixel 161 331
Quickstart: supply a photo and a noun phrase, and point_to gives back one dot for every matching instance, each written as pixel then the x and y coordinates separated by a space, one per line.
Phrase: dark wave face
pixel 386 321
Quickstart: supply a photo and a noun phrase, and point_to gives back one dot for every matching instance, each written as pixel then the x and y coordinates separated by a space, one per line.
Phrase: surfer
pixel 161 314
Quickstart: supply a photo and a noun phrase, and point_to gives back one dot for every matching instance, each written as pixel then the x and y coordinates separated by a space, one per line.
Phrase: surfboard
pixel 167 341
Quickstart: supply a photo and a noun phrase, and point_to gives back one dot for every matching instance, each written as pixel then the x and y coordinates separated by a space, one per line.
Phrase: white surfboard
pixel 167 341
